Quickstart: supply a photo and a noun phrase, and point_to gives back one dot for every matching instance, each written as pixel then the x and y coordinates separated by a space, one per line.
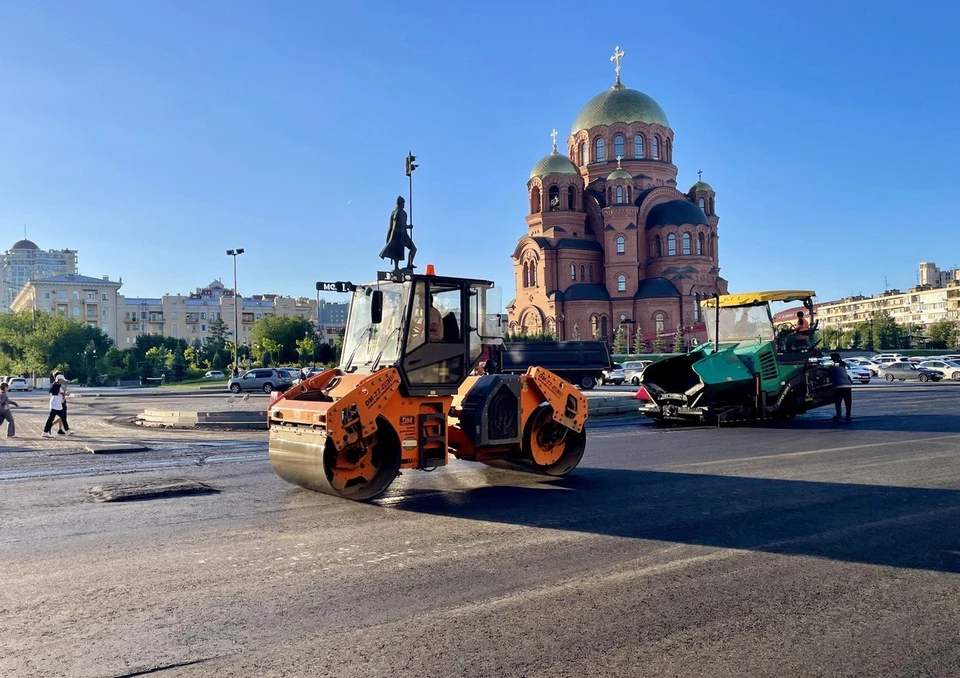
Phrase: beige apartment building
pixel 921 306
pixel 94 301
pixel 97 302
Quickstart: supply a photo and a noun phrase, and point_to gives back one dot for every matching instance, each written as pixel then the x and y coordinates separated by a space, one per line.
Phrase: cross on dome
pixel 619 158
pixel 554 135
pixel 699 175
pixel 617 55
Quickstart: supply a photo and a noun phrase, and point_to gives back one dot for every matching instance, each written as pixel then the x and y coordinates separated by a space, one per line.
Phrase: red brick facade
pixel 613 243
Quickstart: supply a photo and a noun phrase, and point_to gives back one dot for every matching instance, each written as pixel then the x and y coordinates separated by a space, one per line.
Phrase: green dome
pixel 619 105
pixel 701 186
pixel 619 174
pixel 553 164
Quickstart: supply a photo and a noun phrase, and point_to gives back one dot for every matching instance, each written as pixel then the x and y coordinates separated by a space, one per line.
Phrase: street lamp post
pixel 236 313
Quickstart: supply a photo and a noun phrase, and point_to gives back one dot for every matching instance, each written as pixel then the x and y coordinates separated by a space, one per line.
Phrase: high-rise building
pixel 25 261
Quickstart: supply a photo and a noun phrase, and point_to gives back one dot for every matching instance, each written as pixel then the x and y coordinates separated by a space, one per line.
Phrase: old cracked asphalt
pixel 792 550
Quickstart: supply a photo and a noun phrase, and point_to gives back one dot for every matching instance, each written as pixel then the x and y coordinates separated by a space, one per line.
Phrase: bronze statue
pixel 399 239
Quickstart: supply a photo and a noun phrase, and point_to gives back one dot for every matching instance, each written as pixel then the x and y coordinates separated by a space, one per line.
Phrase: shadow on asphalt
pixel 877 525
pixel 913 423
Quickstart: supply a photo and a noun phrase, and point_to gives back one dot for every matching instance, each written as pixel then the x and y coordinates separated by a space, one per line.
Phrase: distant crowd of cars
pixel 860 369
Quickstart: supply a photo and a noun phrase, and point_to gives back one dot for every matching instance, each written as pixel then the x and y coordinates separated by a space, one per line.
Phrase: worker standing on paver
pixel 5 413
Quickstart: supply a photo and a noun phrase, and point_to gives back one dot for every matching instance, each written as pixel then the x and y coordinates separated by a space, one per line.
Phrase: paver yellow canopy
pixel 408 393
pixel 748 371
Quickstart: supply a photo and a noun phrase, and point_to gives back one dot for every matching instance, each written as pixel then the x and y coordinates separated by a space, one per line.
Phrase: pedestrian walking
pixel 5 413
pixel 842 386
pixel 56 408
pixel 58 377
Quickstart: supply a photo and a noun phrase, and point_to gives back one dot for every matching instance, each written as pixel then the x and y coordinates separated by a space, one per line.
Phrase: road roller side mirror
pixel 376 307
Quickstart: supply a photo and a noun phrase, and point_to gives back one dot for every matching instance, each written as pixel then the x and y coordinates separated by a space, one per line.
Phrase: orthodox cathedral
pixel 610 239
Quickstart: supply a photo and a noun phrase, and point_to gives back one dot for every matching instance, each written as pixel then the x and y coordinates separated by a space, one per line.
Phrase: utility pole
pixel 410 167
pixel 236 314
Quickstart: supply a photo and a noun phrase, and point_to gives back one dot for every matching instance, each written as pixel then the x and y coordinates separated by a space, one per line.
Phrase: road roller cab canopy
pixel 432 327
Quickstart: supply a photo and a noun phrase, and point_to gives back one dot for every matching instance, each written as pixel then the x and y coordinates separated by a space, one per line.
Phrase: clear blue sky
pixel 153 135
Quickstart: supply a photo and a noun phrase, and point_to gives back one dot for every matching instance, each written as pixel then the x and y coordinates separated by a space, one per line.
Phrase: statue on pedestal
pixel 398 239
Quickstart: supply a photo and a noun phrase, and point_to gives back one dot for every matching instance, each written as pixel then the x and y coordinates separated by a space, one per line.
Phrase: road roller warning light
pixel 410 391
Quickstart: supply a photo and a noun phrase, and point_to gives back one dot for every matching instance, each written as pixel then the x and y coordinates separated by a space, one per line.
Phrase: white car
pixel 615 376
pixel 633 370
pixel 214 374
pixel 19 384
pixel 865 363
pixel 948 368
pixel 854 371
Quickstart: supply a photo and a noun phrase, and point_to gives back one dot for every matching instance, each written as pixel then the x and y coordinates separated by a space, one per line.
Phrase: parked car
pixel 948 368
pixel 214 374
pixel 854 371
pixel 261 379
pixel 889 359
pixel 865 363
pixel 615 376
pixel 905 371
pixel 18 384
pixel 633 370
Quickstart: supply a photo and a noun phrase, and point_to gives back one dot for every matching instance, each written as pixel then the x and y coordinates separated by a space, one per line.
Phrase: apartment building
pixel 93 301
pixel 919 306
pixel 25 261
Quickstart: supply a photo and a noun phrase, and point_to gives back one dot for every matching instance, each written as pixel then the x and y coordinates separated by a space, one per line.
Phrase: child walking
pixel 5 412
pixel 56 408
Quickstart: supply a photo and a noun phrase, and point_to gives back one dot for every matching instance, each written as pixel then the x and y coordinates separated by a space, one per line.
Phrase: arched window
pixel 619 195
pixel 628 194
pixel 659 319
pixel 526 275
pixel 603 327
pixel 573 272
pixel 609 195
pixel 583 278
pixel 571 198
pixel 554 198
pixel 533 273
pixel 599 156
pixel 686 243
pixel 700 243
pixel 535 200
pixel 594 326
pixel 618 145
pixel 667 150
pixel 591 273
pixel 638 146
pixel 703 204
pixel 671 245
pixel 621 242
pixel 621 283
pixel 584 159
pixel 655 148
pixel 696 307
pixel 657 247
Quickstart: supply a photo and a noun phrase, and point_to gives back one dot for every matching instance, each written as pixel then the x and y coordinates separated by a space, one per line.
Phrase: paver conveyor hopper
pixel 407 394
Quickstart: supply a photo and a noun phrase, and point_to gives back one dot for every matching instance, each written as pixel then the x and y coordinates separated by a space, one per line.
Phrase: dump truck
pixel 747 371
pixel 410 391
pixel 580 362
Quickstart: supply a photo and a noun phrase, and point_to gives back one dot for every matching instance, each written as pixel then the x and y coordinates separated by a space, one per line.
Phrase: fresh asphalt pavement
pixel 809 548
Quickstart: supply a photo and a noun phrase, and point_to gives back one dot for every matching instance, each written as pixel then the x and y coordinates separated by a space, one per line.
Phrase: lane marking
pixel 912 441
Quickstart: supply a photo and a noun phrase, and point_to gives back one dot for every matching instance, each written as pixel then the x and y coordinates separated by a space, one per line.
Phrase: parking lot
pixel 809 548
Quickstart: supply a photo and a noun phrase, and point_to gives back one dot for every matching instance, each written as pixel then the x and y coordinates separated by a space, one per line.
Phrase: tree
pixel 638 345
pixel 887 334
pixel 830 337
pixel 178 366
pixel 619 341
pixel 678 340
pixel 659 344
pixel 943 334
pixel 217 335
pixel 576 332
pixel 306 348
pixel 284 332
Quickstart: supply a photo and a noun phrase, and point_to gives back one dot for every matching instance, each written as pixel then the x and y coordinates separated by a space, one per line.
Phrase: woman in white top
pixel 56 407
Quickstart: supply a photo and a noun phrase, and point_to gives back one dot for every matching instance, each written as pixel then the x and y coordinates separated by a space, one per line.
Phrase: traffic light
pixel 410 164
